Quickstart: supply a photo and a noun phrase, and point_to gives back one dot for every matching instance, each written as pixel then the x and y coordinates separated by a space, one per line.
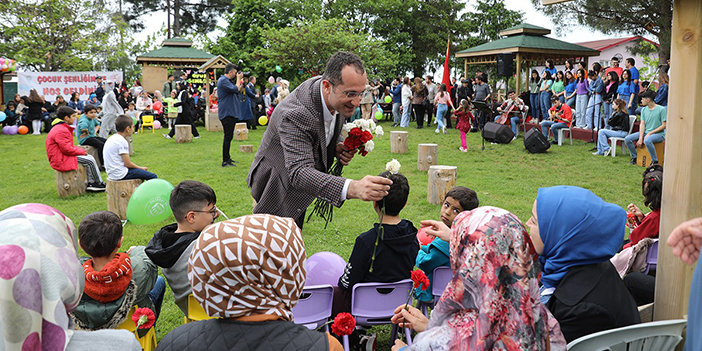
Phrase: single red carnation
pixel 365 136
pixel 344 324
pixel 418 277
pixel 144 318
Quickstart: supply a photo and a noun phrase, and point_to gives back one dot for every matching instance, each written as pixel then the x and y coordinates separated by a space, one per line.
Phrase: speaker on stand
pixel 505 65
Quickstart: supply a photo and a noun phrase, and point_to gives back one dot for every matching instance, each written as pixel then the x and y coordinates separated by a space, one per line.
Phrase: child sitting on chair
pixel 384 254
pixel 193 205
pixel 116 154
pixel 436 254
pixel 114 282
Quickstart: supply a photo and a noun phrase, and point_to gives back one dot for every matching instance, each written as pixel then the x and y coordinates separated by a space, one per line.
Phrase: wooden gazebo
pixel 174 53
pixel 529 45
pixel 212 122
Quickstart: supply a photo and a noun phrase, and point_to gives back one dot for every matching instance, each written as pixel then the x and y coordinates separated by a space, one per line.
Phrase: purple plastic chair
pixel 440 278
pixel 314 307
pixel 652 256
pixel 375 303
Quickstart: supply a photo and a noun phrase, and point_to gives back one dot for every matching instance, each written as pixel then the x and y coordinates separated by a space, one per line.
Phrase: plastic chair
pixel 314 307
pixel 375 303
pixel 440 278
pixel 148 341
pixel 195 311
pixel 147 121
pixel 652 256
pixel 561 133
pixel 613 140
pixel 654 336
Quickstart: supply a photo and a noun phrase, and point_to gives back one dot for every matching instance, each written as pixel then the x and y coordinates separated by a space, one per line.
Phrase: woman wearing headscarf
pixel 186 113
pixel 248 272
pixel 110 111
pixel 42 281
pixel 575 234
pixel 492 302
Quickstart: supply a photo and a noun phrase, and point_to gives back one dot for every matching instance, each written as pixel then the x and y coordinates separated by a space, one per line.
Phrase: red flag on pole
pixel 446 79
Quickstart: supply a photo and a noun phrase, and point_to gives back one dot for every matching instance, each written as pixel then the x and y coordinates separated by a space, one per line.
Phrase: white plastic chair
pixel 561 133
pixel 613 140
pixel 654 336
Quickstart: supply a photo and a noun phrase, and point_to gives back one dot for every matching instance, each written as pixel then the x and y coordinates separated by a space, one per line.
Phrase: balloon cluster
pixel 7 65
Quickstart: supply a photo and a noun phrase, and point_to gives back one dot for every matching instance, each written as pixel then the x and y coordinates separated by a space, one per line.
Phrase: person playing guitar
pixel 560 117
pixel 510 110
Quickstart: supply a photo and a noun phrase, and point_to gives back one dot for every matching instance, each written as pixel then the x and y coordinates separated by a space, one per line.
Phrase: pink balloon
pixel 157 105
pixel 157 125
pixel 2 60
pixel 324 268
pixel 271 80
pixel 423 237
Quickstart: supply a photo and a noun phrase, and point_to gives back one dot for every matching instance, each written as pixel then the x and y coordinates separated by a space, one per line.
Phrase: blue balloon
pixel 2 116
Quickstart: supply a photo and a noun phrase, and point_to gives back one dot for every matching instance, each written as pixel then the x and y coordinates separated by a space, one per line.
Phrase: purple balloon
pixel 324 268
pixel 13 130
pixel 6 130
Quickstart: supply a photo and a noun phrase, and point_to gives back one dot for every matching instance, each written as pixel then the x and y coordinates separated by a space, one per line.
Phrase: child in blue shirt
pixel 436 254
pixel 87 129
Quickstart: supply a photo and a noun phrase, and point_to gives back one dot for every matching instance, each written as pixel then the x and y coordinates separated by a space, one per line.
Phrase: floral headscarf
pixel 41 279
pixel 492 302
pixel 251 265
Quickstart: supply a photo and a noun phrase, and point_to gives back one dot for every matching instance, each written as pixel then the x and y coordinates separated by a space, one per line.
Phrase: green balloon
pixel 378 115
pixel 135 120
pixel 278 69
pixel 149 202
pixel 388 99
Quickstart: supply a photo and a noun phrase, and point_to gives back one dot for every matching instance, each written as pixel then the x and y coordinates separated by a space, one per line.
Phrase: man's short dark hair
pixel 170 76
pixel 336 63
pixel 649 94
pixel 430 78
pixel 466 197
pixel 631 61
pixel 89 107
pixel 511 91
pixel 99 233
pixel 122 122
pixel 396 199
pixel 190 195
pixel 229 67
pixel 554 99
pixel 64 111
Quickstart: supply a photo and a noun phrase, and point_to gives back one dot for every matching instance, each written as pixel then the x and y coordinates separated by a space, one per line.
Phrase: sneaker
pixel 443 129
pixel 596 153
pixel 462 149
pixel 515 138
pixel 368 342
pixel 197 137
pixel 654 163
pixel 96 187
pixel 436 131
pixel 632 162
pixel 228 164
pixel 553 142
pixel 166 136
pixel 607 152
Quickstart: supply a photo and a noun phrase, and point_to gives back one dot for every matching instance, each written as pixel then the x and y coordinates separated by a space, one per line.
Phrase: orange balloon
pixel 23 130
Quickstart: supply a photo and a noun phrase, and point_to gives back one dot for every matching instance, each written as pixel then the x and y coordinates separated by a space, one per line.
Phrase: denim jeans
pixel 593 111
pixel 571 102
pixel 606 113
pixel 535 109
pixel 581 110
pixel 545 103
pixel 554 126
pixel 653 139
pixel 603 136
pixel 138 173
pixel 396 113
pixel 440 113
pixel 156 294
pixel 406 111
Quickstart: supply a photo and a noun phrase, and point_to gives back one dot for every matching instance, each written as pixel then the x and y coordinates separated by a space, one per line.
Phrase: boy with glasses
pixel 193 205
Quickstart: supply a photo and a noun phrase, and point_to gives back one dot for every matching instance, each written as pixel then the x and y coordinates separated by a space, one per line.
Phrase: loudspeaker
pixel 535 142
pixel 505 67
pixel 497 133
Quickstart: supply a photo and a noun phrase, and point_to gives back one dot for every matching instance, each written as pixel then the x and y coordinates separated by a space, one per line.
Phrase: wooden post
pixel 682 189
pixel 241 132
pixel 426 156
pixel 212 122
pixel 399 142
pixel 118 194
pixel 92 151
pixel 71 183
pixel 183 133
pixel 441 180
pixel 247 149
pixel 518 75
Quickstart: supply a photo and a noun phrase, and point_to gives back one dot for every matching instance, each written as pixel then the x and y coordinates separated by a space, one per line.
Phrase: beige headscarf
pixel 251 265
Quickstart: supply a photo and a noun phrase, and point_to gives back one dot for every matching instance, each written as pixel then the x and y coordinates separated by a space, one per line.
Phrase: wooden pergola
pixel 682 183
pixel 174 53
pixel 212 122
pixel 529 45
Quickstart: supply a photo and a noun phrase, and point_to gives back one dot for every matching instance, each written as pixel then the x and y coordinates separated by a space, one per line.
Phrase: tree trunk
pixel 426 156
pixel 168 16
pixel 176 18
pixel 399 142
pixel 72 182
pixel 441 180
pixel 247 149
pixel 241 132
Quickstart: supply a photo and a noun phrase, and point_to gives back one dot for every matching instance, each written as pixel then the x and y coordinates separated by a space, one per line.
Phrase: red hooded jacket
pixel 60 149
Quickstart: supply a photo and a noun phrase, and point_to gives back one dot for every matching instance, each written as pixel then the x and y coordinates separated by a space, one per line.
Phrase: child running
pixel 465 118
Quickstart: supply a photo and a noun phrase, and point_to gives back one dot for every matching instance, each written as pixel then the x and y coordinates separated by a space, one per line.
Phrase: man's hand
pixel 370 188
pixel 413 319
pixel 240 75
pixel 639 143
pixel 437 229
pixel 685 240
pixel 344 154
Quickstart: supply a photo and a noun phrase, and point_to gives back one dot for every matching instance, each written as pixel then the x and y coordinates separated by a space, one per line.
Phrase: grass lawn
pixel 505 176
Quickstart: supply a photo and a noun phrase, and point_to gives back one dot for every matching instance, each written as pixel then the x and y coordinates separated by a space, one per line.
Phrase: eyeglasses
pixel 350 94
pixel 214 211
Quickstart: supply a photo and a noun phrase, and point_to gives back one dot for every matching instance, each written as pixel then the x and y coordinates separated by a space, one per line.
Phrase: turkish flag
pixel 446 79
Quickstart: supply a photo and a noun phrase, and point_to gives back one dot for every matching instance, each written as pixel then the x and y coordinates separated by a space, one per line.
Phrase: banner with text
pixel 51 84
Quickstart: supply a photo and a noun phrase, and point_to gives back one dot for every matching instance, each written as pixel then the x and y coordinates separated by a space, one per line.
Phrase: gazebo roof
pixel 175 51
pixel 218 61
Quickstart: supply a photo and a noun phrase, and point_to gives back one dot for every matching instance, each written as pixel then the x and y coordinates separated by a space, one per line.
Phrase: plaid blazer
pixel 291 164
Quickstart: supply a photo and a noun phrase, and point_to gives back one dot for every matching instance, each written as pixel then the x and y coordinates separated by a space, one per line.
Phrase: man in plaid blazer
pixel 302 139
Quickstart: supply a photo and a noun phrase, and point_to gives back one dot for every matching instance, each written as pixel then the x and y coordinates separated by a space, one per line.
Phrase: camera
pixel 239 67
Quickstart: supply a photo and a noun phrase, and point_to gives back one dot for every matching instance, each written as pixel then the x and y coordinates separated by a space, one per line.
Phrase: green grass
pixel 505 176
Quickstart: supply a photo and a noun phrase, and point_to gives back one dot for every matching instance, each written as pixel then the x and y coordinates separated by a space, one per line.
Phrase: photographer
pixel 229 87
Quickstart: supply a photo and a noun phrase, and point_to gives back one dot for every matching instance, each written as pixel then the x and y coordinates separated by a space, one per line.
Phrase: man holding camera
pixel 229 111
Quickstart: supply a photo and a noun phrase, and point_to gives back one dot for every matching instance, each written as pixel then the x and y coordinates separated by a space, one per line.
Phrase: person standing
pixel 419 95
pixel 406 103
pixel 304 136
pixel 35 110
pixel 168 86
pixel 396 93
pixel 228 92
pixel 100 90
pixel 432 89
pixel 187 116
pixel 630 65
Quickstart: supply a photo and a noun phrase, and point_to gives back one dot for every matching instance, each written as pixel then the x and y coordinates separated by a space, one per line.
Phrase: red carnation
pixel 419 278
pixel 352 143
pixel 144 318
pixel 355 133
pixel 365 136
pixel 363 151
pixel 344 324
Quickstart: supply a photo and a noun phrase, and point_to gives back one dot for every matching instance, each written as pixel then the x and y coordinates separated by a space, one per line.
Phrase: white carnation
pixel 362 123
pixel 371 124
pixel 369 145
pixel 349 126
pixel 379 131
pixel 393 166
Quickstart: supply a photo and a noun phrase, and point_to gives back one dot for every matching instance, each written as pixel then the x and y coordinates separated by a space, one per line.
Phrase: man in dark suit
pixel 302 139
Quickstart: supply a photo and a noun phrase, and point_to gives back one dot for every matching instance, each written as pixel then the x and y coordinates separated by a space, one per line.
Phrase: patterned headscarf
pixel 41 279
pixel 249 265
pixel 492 302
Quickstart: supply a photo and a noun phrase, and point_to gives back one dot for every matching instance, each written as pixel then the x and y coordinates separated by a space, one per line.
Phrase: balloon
pixel 423 237
pixel 324 268
pixel 388 99
pixel 2 60
pixel 13 68
pixel 135 120
pixel 263 120
pixel 2 116
pixel 271 80
pixel 23 130
pixel 378 115
pixel 6 130
pixel 149 202
pixel 278 69
pixel 157 105
pixel 13 130
pixel 157 125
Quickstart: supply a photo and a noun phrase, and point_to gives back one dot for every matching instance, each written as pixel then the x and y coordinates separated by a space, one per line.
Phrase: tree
pixel 188 17
pixel 636 17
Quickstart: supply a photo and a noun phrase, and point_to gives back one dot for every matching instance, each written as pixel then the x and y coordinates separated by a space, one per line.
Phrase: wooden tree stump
pixel 399 142
pixel 247 149
pixel 212 122
pixel 183 133
pixel 93 151
pixel 241 132
pixel 426 156
pixel 441 180
pixel 71 183
pixel 118 194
